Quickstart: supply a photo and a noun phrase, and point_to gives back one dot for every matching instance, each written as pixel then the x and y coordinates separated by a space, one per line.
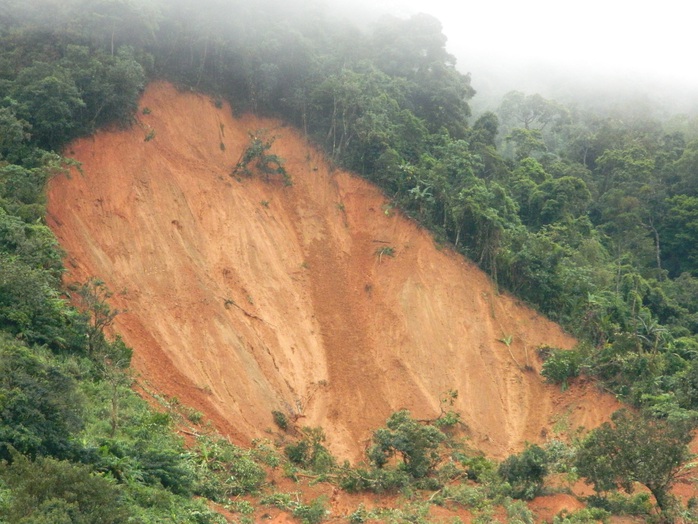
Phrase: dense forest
pixel 589 215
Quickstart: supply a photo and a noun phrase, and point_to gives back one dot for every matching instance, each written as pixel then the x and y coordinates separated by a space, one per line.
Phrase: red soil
pixel 244 296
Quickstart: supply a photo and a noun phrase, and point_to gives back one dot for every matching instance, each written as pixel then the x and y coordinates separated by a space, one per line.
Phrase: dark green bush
pixel 415 443
pixel 309 452
pixel 525 472
pixel 280 419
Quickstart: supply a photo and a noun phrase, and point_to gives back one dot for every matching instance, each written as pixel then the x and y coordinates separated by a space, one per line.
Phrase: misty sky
pixel 622 39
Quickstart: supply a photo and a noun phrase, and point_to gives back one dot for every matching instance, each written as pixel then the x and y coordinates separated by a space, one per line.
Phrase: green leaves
pixel 680 232
pixel 256 158
pixel 309 452
pixel 14 134
pixel 224 470
pixel 417 444
pixel 48 98
pixel 39 408
pixel 53 100
pixel 639 449
pixel 53 491
pixel 525 472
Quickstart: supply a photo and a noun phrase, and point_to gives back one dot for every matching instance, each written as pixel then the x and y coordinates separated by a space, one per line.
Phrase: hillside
pixel 242 296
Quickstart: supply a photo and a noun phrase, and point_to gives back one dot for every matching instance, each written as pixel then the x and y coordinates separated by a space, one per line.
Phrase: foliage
pixel 636 448
pixel 582 516
pixel 619 504
pixel 560 365
pixel 415 443
pixel 377 480
pixel 526 472
pixel 39 406
pixel 255 158
pixel 312 513
pixel 49 490
pixel 309 452
pixel 224 470
pixel 280 419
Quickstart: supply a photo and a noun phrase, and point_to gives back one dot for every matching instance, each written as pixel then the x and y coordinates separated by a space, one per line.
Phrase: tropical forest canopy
pixel 590 216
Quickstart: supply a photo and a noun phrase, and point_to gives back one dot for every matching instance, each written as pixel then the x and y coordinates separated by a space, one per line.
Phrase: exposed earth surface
pixel 241 295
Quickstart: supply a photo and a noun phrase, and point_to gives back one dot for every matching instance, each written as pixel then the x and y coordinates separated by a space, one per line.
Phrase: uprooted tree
pixel 255 158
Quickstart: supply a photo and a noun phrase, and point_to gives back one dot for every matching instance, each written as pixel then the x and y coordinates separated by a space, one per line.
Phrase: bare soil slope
pixel 244 296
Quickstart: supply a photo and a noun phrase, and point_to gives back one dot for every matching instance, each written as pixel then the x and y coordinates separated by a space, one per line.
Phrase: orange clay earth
pixel 243 295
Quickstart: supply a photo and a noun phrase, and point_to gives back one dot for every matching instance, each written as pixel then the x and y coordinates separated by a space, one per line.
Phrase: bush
pixel 582 516
pixel 525 472
pixel 256 155
pixel 312 513
pixel 417 444
pixel 619 504
pixel 280 419
pixel 561 365
pixel 224 470
pixel 310 453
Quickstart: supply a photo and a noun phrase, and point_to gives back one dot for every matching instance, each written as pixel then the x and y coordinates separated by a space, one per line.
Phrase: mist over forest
pixel 575 193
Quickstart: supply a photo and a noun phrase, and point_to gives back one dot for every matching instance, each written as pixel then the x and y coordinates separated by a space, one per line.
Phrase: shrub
pixel 637 449
pixel 39 406
pixel 374 480
pixel 280 419
pixel 525 472
pixel 309 452
pixel 416 443
pixel 312 513
pixel 561 365
pixel 224 470
pixel 582 516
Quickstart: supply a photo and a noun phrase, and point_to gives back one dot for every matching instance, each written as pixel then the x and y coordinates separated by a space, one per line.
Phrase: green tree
pixel 14 134
pixel 91 298
pixel 32 309
pixel 530 111
pixel 526 143
pixel 680 233
pixel 109 85
pixel 415 49
pixel 636 448
pixel 686 168
pixel 52 491
pixel 49 100
pixel 415 443
pixel 39 407
pixel 525 472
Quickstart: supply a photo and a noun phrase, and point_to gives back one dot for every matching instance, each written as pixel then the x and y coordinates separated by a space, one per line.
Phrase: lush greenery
pixel 589 215
pixel 648 451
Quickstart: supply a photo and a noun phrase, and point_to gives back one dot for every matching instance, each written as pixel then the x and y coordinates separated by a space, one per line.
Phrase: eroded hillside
pixel 244 296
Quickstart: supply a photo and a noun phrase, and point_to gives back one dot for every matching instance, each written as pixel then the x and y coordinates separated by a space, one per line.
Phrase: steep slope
pixel 244 296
